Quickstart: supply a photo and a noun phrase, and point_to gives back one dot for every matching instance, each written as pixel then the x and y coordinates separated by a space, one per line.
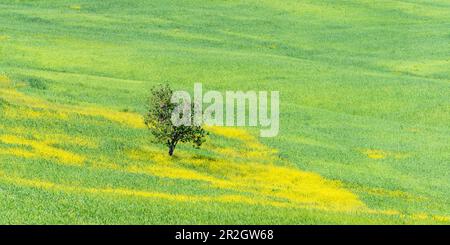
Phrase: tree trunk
pixel 171 149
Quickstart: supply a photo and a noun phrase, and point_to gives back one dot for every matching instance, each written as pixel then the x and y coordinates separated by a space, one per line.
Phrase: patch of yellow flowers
pixel 252 170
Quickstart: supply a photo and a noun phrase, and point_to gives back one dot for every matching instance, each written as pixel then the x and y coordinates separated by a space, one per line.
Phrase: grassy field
pixel 365 112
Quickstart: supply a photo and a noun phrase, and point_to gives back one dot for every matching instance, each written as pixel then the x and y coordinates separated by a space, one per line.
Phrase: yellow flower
pixel 375 154
pixel 75 7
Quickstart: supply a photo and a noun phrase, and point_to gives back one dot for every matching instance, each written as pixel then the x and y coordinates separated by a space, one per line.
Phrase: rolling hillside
pixel 365 112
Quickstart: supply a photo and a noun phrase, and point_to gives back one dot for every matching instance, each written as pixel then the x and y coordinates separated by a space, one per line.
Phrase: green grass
pixel 353 76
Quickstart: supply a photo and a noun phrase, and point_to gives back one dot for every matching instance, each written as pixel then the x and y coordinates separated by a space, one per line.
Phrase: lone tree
pixel 158 121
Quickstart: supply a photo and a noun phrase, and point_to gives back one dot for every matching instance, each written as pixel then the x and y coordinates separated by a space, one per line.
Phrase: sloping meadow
pixel 364 134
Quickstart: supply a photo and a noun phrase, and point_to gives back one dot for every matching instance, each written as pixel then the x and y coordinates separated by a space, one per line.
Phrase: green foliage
pixel 37 83
pixel 3 103
pixel 353 76
pixel 158 121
